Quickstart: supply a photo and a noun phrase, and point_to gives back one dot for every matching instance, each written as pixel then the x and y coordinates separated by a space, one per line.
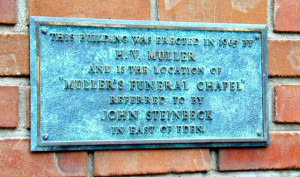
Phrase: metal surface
pixel 66 118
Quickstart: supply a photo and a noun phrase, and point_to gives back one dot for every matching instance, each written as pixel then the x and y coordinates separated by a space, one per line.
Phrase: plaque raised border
pixel 35 80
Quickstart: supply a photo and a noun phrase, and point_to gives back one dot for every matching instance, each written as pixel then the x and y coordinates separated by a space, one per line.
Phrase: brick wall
pixel 281 158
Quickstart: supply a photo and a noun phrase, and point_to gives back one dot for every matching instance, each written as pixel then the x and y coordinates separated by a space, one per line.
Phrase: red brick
pixel 115 9
pixel 14 55
pixel 28 107
pixel 9 106
pixel 288 103
pixel 8 12
pixel 234 11
pixel 137 162
pixel 282 153
pixel 284 58
pixel 287 15
pixel 17 160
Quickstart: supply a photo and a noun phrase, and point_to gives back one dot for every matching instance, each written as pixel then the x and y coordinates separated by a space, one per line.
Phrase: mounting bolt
pixel 259 133
pixel 257 37
pixel 45 137
pixel 44 30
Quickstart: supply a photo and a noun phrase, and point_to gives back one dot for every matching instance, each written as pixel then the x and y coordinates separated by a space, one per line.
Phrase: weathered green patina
pixel 117 84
